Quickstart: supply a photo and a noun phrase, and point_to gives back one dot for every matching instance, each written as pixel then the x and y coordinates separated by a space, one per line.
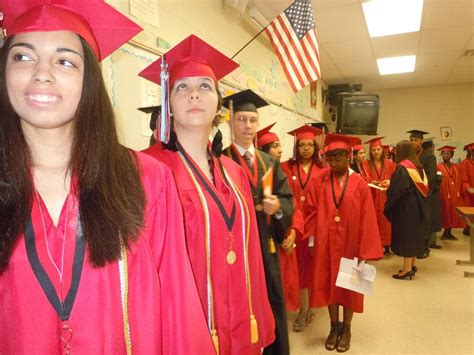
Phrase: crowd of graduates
pixel 186 247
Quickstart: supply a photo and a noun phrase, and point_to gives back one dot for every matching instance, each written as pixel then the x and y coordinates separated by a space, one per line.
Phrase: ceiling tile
pixel 397 45
pixel 349 51
pixel 447 13
pixel 445 40
pixel 341 24
pixel 360 69
pixel 330 72
pixel 437 60
pixel 461 75
pixel 431 77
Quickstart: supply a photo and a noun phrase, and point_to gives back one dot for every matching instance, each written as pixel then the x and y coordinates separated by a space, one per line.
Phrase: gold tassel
pixel 253 329
pixel 215 340
pixel 271 246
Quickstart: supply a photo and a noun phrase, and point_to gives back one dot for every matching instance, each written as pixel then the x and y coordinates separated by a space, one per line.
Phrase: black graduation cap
pixel 321 125
pixel 246 100
pixel 415 133
pixel 155 112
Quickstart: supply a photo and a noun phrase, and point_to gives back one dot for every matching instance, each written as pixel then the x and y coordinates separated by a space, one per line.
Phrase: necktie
pixel 248 160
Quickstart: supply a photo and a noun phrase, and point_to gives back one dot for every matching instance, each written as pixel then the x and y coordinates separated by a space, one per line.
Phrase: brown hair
pixel 405 151
pixel 371 160
pixel 111 195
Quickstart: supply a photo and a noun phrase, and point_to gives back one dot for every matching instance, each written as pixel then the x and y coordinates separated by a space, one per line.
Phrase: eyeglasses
pixel 305 145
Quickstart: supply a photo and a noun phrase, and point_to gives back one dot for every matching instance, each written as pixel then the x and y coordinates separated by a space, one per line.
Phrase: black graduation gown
pixel 408 211
pixel 428 161
pixel 276 231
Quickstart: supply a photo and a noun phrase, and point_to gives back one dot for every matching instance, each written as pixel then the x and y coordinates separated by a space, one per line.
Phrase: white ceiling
pixel 348 54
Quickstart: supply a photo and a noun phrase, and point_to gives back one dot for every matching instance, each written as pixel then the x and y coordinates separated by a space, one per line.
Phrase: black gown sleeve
pixel 282 190
pixel 399 186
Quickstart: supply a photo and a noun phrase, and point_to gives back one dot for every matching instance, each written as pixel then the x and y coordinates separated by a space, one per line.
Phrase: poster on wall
pixel 313 94
pixel 446 133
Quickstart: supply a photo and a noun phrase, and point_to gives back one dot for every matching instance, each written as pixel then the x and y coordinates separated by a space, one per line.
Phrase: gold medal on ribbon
pixel 259 207
pixel 302 198
pixel 271 246
pixel 337 219
pixel 231 257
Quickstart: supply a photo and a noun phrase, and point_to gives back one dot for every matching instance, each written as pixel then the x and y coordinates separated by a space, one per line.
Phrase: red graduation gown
pixel 231 308
pixel 450 196
pixel 356 235
pixel 163 303
pixel 467 180
pixel 299 182
pixel 380 197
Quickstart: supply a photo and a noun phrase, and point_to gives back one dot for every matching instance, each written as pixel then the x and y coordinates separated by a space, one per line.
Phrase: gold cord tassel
pixel 215 340
pixel 253 329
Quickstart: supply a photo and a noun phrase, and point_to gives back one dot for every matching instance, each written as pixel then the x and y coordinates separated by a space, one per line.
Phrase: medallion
pixel 337 219
pixel 231 257
pixel 259 207
pixel 302 198
pixel 294 177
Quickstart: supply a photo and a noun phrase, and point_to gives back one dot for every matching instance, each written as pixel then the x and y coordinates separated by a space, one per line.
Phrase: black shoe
pixel 435 246
pixel 450 236
pixel 386 250
pixel 444 237
pixel 408 275
pixel 465 231
pixel 414 269
pixel 424 255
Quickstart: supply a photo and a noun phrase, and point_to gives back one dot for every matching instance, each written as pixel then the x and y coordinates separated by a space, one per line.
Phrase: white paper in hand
pixel 356 278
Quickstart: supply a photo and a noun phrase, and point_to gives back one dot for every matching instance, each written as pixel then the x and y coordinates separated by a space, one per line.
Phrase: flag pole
pixel 253 38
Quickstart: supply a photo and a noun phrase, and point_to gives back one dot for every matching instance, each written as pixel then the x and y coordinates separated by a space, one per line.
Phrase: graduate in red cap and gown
pixel 358 157
pixel 92 251
pixel 344 225
pixel 467 179
pixel 450 193
pixel 221 229
pixel 379 170
pixel 300 170
pixel 274 208
pixel 269 143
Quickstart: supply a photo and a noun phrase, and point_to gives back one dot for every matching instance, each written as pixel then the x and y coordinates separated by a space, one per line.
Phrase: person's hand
pixel 271 204
pixel 470 190
pixel 385 183
pixel 289 242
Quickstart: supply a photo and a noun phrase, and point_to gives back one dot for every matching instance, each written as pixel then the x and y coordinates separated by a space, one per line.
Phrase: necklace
pixel 337 218
pixel 303 184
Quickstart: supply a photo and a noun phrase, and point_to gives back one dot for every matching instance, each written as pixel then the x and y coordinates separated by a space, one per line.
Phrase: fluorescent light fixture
pixel 390 17
pixel 396 65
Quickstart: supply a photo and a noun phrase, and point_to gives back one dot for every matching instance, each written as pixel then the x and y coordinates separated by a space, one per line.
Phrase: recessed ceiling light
pixel 390 17
pixel 396 65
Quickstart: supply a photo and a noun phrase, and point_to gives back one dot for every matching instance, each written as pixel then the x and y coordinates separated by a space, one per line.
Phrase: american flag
pixel 293 38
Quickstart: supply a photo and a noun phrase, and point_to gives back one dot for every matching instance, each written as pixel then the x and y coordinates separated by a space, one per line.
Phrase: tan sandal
pixel 299 323
pixel 310 315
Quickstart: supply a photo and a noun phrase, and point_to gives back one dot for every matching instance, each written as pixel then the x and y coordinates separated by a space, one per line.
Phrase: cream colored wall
pixel 428 108
pixel 224 29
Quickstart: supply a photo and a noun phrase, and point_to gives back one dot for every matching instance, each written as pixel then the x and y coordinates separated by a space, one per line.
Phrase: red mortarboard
pixel 264 136
pixel 99 24
pixel 375 142
pixel 305 132
pixel 338 141
pixel 357 147
pixel 469 146
pixel 386 148
pixel 191 57
pixel 447 148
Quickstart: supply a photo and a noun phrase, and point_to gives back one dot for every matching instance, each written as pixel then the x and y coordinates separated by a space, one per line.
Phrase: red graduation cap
pixel 469 146
pixel 99 24
pixel 386 148
pixel 191 57
pixel 264 136
pixel 339 141
pixel 375 142
pixel 305 132
pixel 357 147
pixel 447 148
